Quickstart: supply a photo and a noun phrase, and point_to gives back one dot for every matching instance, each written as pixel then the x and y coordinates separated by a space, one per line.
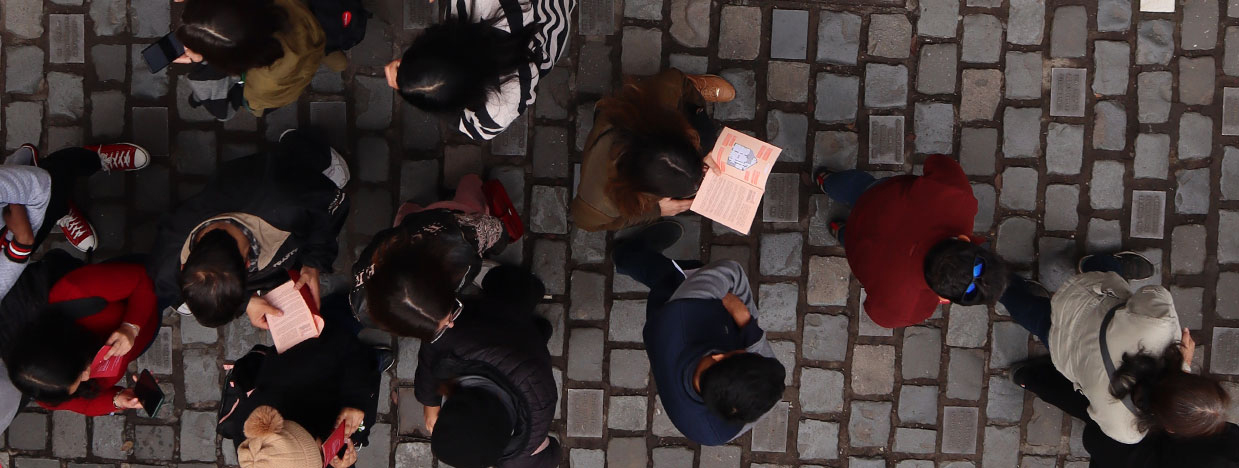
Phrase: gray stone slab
pixel 372 103
pixel 1230 174
pixel 777 303
pixel 886 86
pixel 644 9
pixel 821 390
pixel 66 100
pixel 890 36
pixel 550 153
pixel 987 198
pixel 1196 80
pixel 594 68
pixel 1045 426
pixel 153 442
pixel 642 51
pixel 585 354
pixel 788 81
pixel 1187 252
pixel 1195 136
pixel 588 297
pixel 936 71
pixel 982 39
pixel 869 424
pixel 627 413
pixel 886 137
pixel 108 436
pixel 1193 194
pixel 23 69
pixel 627 452
pixel 1225 351
pixel 34 435
pixel 108 16
pixel 626 319
pixel 1199 28
pixel 938 18
pixel 965 373
pixel 549 259
pixel 1228 245
pixel 788 131
pixel 109 61
pixel 740 29
pixel 1069 32
pixel 1019 189
pixel 151 18
pixel 922 349
pixel 978 148
pixel 1067 92
pixel 918 404
pixel 629 368
pixel 1026 22
pixel 598 17
pixel 1064 148
pixel 1154 42
pixel 770 432
pixel 828 280
pixel 838 37
pixel 66 39
pixel 1015 239
pixel 789 34
pixel 690 22
pixel 1111 65
pixel 332 118
pixel 815 440
pixel 198 436
pixel 935 127
pixel 1005 403
pixel 836 98
pixel 1010 345
pixel 968 326
pixel 781 253
pixel 1061 202
pixel 782 199
pixel 743 107
pixel 1230 60
pixel 549 210
pixel 1153 92
pixel 1109 126
pixel 1152 158
pixel 1002 446
pixel 24 18
pixel 982 89
pixel 919 441
pixel 825 337
pixel 1023 75
pixel 873 369
pixel 1227 295
pixel 68 434
pixel 1021 132
pixel 1230 111
pixel 1188 303
pixel 1113 15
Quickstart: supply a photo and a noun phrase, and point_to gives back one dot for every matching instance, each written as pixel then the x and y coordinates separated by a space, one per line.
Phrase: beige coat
pixel 1146 322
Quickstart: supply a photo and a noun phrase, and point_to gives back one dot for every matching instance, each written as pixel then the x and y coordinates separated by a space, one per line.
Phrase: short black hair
pixel 410 291
pixel 49 356
pixel 233 35
pixel 457 64
pixel 212 280
pixel 948 271
pixel 473 429
pixel 743 387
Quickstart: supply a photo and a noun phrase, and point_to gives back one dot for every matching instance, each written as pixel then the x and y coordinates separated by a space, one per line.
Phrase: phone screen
pixel 163 52
pixel 148 392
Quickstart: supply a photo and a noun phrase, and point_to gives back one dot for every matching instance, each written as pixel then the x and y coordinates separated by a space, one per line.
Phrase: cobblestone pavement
pixel 1122 147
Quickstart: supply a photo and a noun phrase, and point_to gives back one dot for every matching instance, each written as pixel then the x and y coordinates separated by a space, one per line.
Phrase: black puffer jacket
pixel 286 188
pixel 499 337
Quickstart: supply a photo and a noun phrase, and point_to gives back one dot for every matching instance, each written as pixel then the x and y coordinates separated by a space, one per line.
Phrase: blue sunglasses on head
pixel 978 266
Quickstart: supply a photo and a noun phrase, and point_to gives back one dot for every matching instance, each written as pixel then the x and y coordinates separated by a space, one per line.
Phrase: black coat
pixel 286 188
pixel 1161 450
pixel 498 337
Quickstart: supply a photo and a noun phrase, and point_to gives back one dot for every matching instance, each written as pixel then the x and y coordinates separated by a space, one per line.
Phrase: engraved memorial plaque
pixel 1230 111
pixel 1148 214
pixel 1157 6
pixel 782 199
pixel 1067 92
pixel 886 139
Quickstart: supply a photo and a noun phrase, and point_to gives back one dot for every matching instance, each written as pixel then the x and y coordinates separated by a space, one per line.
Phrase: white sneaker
pixel 26 155
pixel 338 170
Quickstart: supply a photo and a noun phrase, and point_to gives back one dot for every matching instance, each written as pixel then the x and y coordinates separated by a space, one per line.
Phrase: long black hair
pixel 457 64
pixel 233 35
pixel 1181 403
pixel 49 357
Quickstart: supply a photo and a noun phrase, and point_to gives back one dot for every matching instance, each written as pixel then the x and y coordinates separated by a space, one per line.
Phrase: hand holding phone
pixel 163 52
pixel 148 392
pixel 335 446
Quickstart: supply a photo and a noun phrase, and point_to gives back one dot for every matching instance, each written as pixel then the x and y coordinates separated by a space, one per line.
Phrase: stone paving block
pixel 886 137
pixel 1192 196
pixel 1026 22
pixel 1104 235
pixel 890 36
pixel 588 291
pixel 195 152
pixel 918 404
pixel 777 305
pixel 1228 245
pixel 1010 345
pixel 1148 217
pixel 38 463
pixel 1153 96
pixel 201 371
pixel 626 413
pixel 1057 261
pixel 1021 132
pixel 825 337
pixel 421 129
pixel 630 368
pixel 1196 80
pixel 959 430
pixel 1230 60
pixel 828 281
pixel 594 68
pixel 1067 92
pixel 836 98
pixel 197 436
pixel 1060 207
pixel 549 210
pixel 873 369
pixel 770 432
pixel 982 89
pixel 1110 126
pixel 869 424
pixel 550 153
pixel 379 451
pixel 151 18
pixel 585 458
pixel 1230 174
pixel 789 34
pixel 1111 65
pixel 332 118
pixel 1019 189
pixel 867 327
pixel 672 457
pixel 982 39
pixel 788 131
pixel 1113 15
pixel 781 254
pixel 743 107
pixel 968 326
pixel 585 354
pixel 921 441
pixel 627 319
pixel 922 349
pixel 597 17
pixel 1023 75
pixel 153 442
pixel 1187 253
pixel 977 148
pixel 108 435
pixel 109 61
pixel 585 413
pixel 740 29
pixel 965 371
pixel 838 37
pixel 854 462
pixel 66 39
pixel 372 101
pixel 108 16
pixel 821 390
pixel 1045 426
pixel 935 126
pixel 1064 148
pixel 642 51
pixel 1001 447
pixel 644 9
pixel 1069 32
pixel 24 18
pixel 662 426
pixel 1195 136
pixel 1005 403
pixel 1154 42
pixel 23 69
pixel 938 18
pixel 414 454
pixel 1227 295
pixel 68 434
pixel 1225 351
pixel 1199 27
pixel 788 81
pixel 816 440
pixel 936 69
pixel 690 22
pixel 886 86
pixel 627 452
pixel 1230 111
pixel 1188 303
pixel 34 434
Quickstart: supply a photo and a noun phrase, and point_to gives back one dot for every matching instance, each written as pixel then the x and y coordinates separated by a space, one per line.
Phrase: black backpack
pixel 343 21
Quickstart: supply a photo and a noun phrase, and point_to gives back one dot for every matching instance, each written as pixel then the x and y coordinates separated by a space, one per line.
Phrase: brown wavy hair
pixel 657 152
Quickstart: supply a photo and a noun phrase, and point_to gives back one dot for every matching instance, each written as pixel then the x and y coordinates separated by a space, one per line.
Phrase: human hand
pixel 671 207
pixel 309 277
pixel 122 340
pixel 349 458
pixel 432 415
pixel 189 56
pixel 258 310
pixel 391 71
pixel 1188 348
pixel 17 220
pixel 126 399
pixel 713 166
pixel 738 310
pixel 352 419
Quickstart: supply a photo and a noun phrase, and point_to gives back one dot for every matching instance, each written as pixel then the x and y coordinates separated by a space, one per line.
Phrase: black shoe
pixel 385 357
pixel 657 236
pixel 1132 266
pixel 1018 374
pixel 819 176
pixel 1037 289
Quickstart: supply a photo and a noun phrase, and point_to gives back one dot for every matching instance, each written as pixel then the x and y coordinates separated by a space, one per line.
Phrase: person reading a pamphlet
pixel 646 154
pixel 487 386
pixel 715 371
pixel 909 241
pixel 257 218
pixel 314 388
pixel 99 318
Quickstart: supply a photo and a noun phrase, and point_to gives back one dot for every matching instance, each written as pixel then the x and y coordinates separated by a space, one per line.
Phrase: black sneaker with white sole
pixel 1130 265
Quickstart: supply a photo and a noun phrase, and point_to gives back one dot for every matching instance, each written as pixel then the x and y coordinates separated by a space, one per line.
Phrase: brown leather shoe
pixel 713 87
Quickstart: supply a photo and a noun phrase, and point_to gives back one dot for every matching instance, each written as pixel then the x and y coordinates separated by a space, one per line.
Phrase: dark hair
pixel 212 280
pixel 457 64
pixel 49 356
pixel 233 35
pixel 1181 403
pixel 743 387
pixel 409 292
pixel 473 429
pixel 656 150
pixel 948 271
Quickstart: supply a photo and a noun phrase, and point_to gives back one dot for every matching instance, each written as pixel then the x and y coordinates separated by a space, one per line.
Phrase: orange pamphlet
pixel 101 368
pixel 732 198
pixel 300 320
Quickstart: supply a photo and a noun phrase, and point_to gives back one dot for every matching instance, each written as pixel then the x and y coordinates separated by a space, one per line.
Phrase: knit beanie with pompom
pixel 272 442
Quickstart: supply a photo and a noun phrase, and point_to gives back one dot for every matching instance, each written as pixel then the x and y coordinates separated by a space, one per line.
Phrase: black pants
pixel 549 457
pixel 65 168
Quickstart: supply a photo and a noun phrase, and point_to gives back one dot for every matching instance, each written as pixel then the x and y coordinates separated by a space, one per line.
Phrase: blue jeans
pixel 653 269
pixel 1033 312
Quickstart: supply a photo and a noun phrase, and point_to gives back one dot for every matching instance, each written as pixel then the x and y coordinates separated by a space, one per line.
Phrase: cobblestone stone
pixel 918 404
pixel 1026 22
pixel 982 39
pixel 936 69
pixel 870 424
pixel 1064 148
pixel 982 89
pixel 788 131
pixel 1111 65
pixel 889 36
pixel 873 369
pixel 1023 75
pixel 934 127
pixel 1113 15
pixel 886 85
pixel 1154 42
pixel 1199 19
pixel 789 31
pixel 838 37
pixel 642 51
pixel 1109 126
pixel 777 303
pixel 744 105
pixel 1069 32
pixel 740 26
pixel 825 337
pixel 1192 196
pixel 1019 189
pixel 836 97
pixel 1196 80
pixel 770 432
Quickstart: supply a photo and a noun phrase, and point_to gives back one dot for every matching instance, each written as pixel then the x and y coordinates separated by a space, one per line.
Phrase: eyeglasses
pixel 451 318
pixel 978 267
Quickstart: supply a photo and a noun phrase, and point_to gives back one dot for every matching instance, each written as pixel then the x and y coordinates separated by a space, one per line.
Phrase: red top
pixel 131 298
pixel 892 227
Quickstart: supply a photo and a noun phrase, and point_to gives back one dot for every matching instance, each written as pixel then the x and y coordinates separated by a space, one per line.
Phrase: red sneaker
pixel 78 230
pixel 121 156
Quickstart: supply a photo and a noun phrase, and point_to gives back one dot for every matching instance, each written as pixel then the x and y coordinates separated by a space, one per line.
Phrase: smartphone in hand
pixel 148 392
pixel 160 54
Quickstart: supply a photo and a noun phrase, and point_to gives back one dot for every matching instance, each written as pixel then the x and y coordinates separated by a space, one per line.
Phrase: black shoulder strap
pixel 79 308
pixel 1105 352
